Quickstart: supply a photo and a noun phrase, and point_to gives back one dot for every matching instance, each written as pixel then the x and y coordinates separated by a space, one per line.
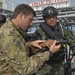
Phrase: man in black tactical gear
pixel 52 29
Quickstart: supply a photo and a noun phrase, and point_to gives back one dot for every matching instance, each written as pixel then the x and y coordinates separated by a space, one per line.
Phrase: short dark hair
pixel 25 8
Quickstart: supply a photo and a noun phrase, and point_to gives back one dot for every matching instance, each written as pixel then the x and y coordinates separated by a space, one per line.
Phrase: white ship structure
pixel 6 8
pixel 56 3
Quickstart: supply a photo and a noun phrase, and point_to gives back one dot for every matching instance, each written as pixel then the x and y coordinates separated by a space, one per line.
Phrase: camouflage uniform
pixel 53 69
pixel 14 53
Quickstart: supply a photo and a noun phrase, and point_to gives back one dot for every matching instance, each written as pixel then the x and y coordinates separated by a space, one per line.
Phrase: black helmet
pixel 49 11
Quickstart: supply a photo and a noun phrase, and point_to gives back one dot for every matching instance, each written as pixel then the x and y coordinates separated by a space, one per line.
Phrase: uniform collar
pixel 23 33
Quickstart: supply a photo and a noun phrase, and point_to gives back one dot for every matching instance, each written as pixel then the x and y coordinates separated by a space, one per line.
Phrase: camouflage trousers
pixel 54 69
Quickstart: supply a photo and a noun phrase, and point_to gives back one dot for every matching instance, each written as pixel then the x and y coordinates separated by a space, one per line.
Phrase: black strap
pixel 47 30
pixel 50 33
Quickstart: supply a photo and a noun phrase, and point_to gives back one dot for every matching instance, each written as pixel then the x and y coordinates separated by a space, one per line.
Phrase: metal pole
pixel 67 67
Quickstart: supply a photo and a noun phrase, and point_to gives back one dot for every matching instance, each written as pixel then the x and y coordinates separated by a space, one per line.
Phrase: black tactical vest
pixel 56 34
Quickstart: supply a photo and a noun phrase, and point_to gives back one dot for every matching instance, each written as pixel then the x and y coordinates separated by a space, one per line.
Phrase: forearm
pixel 24 64
pixel 36 62
pixel 30 65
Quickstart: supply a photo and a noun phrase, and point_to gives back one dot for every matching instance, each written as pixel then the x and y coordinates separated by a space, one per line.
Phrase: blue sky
pixel 25 1
pixel 16 2
pixel 73 2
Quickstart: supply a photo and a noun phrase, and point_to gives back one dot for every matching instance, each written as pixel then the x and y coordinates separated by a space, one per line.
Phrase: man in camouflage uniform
pixel 14 51
pixel 51 29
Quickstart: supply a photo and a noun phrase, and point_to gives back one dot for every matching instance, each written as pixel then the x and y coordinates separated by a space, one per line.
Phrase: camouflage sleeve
pixel 39 34
pixel 16 56
pixel 69 37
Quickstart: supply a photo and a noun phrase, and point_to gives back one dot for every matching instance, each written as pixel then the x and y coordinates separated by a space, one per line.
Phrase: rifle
pixel 61 42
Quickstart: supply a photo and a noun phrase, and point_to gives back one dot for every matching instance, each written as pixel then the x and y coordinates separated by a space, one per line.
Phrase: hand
pixel 37 43
pixel 54 48
pixel 49 43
